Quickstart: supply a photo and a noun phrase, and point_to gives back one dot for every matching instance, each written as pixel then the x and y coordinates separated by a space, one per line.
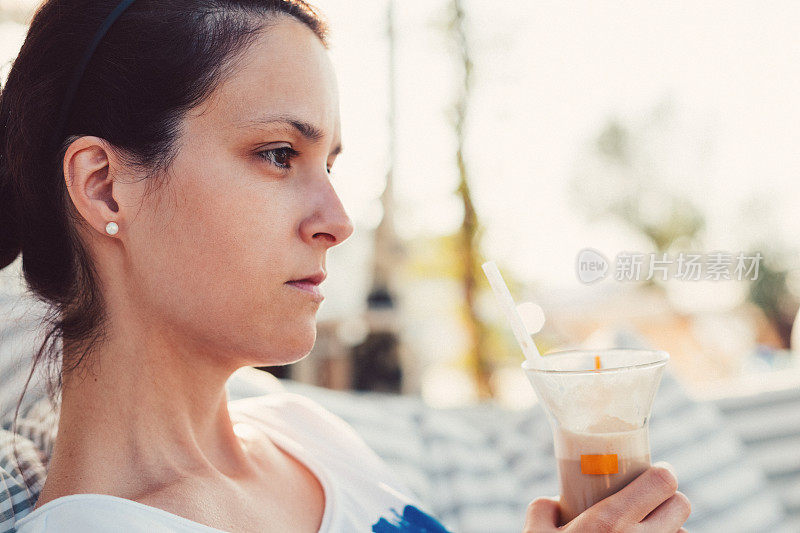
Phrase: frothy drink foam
pixel 596 463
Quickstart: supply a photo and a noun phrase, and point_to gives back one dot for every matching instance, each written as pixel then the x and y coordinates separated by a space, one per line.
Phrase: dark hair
pixel 160 59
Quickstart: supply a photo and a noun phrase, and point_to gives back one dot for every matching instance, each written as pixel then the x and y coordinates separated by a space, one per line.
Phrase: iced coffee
pixel 595 464
pixel 599 415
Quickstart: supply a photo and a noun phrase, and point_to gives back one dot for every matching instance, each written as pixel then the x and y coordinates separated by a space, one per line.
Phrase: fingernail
pixel 664 464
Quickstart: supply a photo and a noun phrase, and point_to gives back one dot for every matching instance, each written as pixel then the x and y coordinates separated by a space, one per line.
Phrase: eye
pixel 279 157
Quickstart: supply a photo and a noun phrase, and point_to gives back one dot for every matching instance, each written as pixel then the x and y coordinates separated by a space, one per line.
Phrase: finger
pixel 670 515
pixel 638 499
pixel 542 516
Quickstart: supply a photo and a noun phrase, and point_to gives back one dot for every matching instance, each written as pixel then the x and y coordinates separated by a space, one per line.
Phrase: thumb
pixel 542 516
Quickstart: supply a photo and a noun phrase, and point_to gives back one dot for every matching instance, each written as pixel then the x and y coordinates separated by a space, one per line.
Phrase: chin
pixel 290 349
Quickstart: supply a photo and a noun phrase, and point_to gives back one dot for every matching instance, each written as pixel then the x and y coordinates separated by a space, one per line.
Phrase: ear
pixel 87 172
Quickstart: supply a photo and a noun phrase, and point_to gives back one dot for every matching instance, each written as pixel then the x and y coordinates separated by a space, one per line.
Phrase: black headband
pixel 87 56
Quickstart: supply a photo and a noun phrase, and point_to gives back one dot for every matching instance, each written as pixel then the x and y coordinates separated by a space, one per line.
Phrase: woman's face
pixel 248 206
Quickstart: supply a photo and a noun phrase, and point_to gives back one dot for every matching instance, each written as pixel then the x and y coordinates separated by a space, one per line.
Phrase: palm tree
pixel 377 362
pixel 470 231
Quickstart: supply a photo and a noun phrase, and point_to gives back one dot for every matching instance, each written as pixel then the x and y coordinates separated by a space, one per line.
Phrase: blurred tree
pixel 470 231
pixel 440 258
pixel 770 292
pixel 377 361
pixel 377 374
pixel 622 180
pixel 388 250
pixel 777 289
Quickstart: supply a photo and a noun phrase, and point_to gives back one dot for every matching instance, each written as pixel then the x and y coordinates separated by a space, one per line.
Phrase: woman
pixel 166 173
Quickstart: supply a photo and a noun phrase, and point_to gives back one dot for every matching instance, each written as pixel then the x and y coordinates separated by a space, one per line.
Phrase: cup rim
pixel 660 358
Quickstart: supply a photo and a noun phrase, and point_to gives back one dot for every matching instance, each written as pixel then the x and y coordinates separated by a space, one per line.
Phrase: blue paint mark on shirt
pixel 411 521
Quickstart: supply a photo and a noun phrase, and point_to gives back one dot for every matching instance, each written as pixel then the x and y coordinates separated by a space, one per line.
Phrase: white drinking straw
pixel 507 304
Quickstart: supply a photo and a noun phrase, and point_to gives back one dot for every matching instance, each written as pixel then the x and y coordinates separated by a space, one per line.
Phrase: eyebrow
pixel 309 131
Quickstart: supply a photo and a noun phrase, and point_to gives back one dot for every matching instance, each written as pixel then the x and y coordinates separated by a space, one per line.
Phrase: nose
pixel 329 223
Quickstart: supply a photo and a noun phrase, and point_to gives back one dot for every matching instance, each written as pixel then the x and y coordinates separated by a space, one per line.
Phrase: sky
pixel 548 77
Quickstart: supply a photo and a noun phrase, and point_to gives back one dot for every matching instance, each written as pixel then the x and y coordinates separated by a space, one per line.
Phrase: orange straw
pixel 597 365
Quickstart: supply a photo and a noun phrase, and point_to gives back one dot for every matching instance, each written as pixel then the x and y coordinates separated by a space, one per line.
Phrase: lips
pixel 315 278
pixel 310 285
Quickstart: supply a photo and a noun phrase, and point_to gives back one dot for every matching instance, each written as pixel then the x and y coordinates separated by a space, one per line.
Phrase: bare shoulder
pixel 268 501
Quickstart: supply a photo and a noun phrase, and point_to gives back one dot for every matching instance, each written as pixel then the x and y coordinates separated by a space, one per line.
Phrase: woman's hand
pixel 648 504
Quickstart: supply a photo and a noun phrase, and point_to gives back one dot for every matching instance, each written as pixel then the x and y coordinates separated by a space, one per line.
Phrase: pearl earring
pixel 112 228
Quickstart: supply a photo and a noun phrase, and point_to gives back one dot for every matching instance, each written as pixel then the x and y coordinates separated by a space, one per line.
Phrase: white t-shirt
pixel 361 494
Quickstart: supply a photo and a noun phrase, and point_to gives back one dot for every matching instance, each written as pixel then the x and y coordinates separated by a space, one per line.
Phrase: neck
pixel 147 411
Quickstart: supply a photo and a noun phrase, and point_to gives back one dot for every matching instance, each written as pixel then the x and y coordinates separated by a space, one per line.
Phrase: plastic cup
pixel 598 403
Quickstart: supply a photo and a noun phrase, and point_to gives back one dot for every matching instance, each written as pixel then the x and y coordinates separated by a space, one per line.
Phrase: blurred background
pixel 525 132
